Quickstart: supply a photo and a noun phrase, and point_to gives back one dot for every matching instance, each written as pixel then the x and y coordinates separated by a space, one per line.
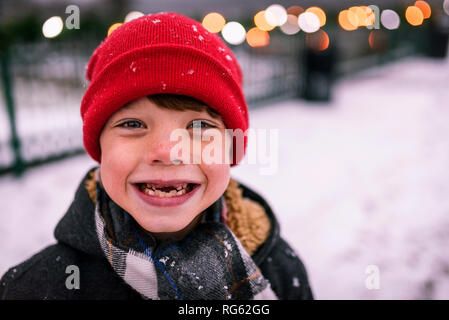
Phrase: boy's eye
pixel 134 124
pixel 200 124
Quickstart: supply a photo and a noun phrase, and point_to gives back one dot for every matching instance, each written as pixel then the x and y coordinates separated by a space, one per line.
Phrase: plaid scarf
pixel 209 263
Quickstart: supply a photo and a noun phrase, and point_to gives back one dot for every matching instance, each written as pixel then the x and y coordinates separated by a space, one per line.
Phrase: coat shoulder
pixel 286 272
pixel 33 278
pixel 49 275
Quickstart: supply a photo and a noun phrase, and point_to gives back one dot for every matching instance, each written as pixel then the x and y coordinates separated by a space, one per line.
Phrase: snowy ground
pixel 362 181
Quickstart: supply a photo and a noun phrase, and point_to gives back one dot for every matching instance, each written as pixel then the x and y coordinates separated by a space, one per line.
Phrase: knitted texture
pixel 156 54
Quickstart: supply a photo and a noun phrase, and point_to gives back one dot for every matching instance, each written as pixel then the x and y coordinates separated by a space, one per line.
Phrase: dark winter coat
pixel 43 276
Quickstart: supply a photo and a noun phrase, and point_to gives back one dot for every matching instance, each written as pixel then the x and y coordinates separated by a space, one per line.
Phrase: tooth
pixel 181 192
pixel 172 193
pixel 158 193
pixel 184 185
pixel 150 192
pixel 178 187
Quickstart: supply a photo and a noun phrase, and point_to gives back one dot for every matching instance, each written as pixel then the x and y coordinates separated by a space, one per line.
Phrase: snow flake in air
pixel 221 49
pixel 295 282
pixel 228 57
pixel 132 66
pixel 194 28
pixel 156 21
pixel 191 71
pixel 290 252
pixel 200 37
pixel 227 245
pixel 163 260
pixel 164 86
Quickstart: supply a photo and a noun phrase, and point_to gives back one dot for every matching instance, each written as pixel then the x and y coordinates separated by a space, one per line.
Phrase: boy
pixel 148 222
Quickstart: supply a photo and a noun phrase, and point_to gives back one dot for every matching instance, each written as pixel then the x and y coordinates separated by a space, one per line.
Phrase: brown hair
pixel 181 103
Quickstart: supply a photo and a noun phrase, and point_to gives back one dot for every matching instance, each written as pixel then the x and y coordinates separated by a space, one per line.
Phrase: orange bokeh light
pixel 424 7
pixel 357 16
pixel 261 22
pixel 257 38
pixel 318 41
pixel 346 18
pixel 214 22
pixel 378 40
pixel 319 13
pixel 113 27
pixel 295 10
pixel 414 16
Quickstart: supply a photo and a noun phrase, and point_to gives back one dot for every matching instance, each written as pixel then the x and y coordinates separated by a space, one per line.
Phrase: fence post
pixel 9 101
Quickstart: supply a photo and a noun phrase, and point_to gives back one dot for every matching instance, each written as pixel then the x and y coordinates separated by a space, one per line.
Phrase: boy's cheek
pixel 218 176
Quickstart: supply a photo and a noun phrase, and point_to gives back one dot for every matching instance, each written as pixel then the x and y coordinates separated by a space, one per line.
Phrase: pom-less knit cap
pixel 156 54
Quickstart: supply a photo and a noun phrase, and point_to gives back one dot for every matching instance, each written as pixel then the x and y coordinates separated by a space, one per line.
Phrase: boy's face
pixel 137 172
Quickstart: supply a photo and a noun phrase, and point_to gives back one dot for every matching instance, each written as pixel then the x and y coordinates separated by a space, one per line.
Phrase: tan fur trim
pixel 91 186
pixel 246 218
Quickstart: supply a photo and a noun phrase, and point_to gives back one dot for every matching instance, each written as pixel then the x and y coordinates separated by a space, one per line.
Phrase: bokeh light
pixel 357 16
pixel 414 16
pixel 133 15
pixel 113 27
pixel 257 38
pixel 370 16
pixel 390 19
pixel 446 6
pixel 378 40
pixel 318 41
pixel 213 22
pixel 291 26
pixel 308 22
pixel 424 7
pixel 261 22
pixel 52 27
pixel 276 15
pixel 295 10
pixel 345 18
pixel 234 33
pixel 319 13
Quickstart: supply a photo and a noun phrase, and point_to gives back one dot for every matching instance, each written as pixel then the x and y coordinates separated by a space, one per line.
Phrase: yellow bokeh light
pixel 113 27
pixel 370 15
pixel 214 22
pixel 414 16
pixel 347 20
pixel 257 38
pixel 424 7
pixel 357 16
pixel 261 22
pixel 319 13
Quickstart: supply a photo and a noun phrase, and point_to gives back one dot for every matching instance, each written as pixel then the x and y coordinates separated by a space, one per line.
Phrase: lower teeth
pixel 162 194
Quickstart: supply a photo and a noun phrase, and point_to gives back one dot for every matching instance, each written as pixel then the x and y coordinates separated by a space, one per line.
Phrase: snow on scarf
pixel 209 263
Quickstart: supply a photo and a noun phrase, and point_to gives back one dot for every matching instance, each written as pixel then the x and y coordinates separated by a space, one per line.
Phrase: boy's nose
pixel 160 149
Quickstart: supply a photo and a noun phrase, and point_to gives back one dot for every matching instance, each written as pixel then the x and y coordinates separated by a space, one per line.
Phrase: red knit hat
pixel 156 54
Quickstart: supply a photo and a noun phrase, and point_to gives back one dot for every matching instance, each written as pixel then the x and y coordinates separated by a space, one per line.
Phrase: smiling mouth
pixel 166 191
